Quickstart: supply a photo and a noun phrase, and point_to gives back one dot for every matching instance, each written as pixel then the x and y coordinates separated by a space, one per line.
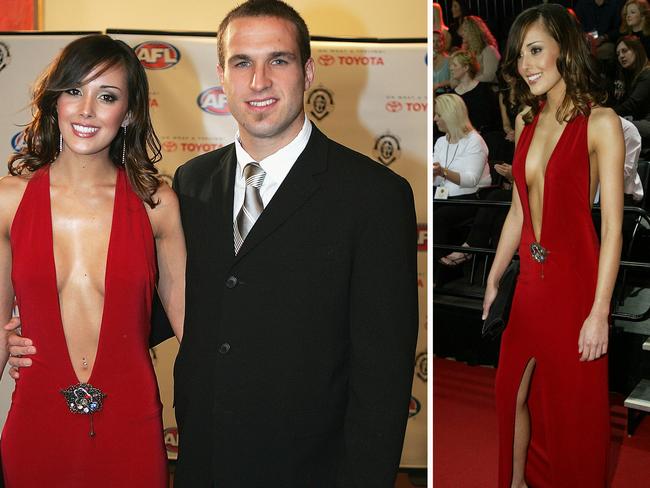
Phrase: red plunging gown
pixel 568 399
pixel 43 443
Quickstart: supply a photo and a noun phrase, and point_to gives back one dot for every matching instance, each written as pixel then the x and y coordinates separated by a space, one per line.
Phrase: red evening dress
pixel 43 443
pixel 568 399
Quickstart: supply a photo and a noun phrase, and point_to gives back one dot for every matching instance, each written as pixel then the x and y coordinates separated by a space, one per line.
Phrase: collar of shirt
pixel 276 166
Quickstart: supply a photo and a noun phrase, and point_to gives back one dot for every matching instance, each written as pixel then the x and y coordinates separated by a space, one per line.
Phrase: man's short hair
pixel 266 8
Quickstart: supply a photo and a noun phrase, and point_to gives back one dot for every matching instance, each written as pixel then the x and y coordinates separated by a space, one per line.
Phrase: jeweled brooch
pixel 84 399
pixel 538 252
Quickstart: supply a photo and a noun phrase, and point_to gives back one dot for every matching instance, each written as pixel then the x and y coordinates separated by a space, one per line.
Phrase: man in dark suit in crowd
pixel 296 362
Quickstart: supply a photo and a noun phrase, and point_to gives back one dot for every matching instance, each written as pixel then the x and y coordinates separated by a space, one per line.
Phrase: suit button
pixel 224 348
pixel 231 282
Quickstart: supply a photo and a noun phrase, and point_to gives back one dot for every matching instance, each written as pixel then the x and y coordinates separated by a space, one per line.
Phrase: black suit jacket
pixel 296 363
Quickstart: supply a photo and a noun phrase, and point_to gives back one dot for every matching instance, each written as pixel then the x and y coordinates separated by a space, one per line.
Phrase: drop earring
pixel 60 142
pixel 124 147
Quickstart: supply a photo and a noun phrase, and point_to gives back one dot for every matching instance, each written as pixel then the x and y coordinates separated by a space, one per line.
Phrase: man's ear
pixel 220 74
pixel 309 73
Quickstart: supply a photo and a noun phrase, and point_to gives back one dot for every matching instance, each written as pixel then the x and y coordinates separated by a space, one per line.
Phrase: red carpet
pixel 465 432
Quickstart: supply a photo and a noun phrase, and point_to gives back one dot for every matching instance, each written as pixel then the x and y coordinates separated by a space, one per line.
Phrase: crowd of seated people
pixel 619 33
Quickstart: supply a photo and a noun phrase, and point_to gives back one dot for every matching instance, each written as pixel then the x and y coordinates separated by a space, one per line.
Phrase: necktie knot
pixel 254 175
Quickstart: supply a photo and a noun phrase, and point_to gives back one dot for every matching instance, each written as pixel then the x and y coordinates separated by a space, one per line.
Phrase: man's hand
pixel 18 347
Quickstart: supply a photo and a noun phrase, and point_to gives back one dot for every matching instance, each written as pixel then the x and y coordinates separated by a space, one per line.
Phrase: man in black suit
pixel 296 362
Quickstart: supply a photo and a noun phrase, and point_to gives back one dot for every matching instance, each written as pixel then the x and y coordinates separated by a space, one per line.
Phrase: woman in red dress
pixel 552 395
pixel 88 232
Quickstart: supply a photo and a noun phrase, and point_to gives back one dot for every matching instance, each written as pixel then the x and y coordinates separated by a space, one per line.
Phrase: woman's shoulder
pixel 475 140
pixel 599 113
pixel 166 206
pixel 644 74
pixel 12 189
pixel 440 142
pixel 165 216
pixel 603 120
pixel 164 197
pixel 489 49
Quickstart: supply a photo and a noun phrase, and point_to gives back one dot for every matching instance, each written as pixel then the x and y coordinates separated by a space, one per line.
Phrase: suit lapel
pixel 222 187
pixel 298 186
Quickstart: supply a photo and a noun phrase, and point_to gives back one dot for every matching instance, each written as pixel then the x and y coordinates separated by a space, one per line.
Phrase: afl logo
pixel 157 54
pixel 421 366
pixel 4 55
pixel 213 101
pixel 170 436
pixel 326 60
pixel 320 102
pixel 393 106
pixel 18 141
pixel 387 149
pixel 414 407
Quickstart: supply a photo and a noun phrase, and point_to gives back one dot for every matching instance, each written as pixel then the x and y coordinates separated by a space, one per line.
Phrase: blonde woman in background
pixel 478 40
pixel 460 166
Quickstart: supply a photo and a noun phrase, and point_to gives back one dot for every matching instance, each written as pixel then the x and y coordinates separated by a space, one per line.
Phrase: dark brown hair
pixel 266 8
pixel 584 87
pixel 70 70
pixel 629 75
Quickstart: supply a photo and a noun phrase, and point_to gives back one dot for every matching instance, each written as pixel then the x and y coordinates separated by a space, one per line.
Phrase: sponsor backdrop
pixel 370 96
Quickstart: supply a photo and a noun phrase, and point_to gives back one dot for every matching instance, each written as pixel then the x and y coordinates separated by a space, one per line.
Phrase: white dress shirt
pixel 469 157
pixel 276 166
pixel 631 182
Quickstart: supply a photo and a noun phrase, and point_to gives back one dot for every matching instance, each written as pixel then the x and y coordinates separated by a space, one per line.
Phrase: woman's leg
pixel 522 429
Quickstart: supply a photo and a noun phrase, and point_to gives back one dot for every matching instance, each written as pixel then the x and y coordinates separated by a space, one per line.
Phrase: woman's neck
pixel 84 170
pixel 466 83
pixel 555 96
pixel 454 140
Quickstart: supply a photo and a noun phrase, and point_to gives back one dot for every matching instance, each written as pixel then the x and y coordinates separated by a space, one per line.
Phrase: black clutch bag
pixel 500 310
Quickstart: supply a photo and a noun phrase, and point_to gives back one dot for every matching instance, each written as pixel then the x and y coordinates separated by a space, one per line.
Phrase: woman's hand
pixel 437 170
pixel 509 134
pixel 504 170
pixel 488 298
pixel 594 337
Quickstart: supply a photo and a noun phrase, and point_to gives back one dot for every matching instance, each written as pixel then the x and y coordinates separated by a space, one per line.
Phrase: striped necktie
pixel 253 205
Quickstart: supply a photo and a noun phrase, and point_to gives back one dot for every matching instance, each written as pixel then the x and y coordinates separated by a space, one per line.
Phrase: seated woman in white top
pixel 460 167
pixel 478 40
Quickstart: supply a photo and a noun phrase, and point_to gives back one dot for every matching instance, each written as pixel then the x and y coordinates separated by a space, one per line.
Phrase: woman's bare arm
pixel 170 246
